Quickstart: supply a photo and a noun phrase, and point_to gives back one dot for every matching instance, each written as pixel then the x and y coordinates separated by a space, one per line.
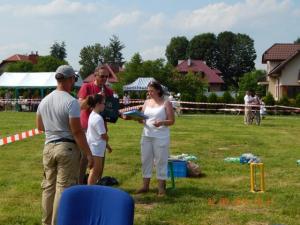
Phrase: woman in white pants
pixel 155 139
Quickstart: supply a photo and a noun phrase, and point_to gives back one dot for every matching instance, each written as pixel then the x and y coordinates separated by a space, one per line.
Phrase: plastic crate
pixel 179 168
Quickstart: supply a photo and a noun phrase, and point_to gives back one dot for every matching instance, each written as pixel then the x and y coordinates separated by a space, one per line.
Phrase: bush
pixel 227 98
pixel 2 93
pixel 284 101
pixel 187 97
pixel 292 102
pixel 297 100
pixel 269 99
pixel 213 98
pixel 201 98
pixel 239 99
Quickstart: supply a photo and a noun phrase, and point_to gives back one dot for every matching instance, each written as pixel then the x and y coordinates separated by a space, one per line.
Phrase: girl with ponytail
pixel 97 137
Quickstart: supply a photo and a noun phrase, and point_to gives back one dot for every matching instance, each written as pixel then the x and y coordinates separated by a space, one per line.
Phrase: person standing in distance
pixel 98 86
pixel 59 116
pixel 248 99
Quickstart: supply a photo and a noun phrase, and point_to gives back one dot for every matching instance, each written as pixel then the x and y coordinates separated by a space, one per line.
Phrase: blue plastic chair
pixel 95 205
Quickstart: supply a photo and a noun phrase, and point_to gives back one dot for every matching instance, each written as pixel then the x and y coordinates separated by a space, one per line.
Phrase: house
pixel 283 70
pixel 33 58
pixel 112 78
pixel 212 76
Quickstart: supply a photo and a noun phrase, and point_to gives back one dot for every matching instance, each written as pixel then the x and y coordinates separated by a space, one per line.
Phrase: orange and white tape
pixel 20 136
pixel 130 108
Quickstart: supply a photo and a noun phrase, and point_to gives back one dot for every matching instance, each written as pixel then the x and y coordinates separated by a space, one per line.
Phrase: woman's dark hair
pixel 156 85
pixel 93 100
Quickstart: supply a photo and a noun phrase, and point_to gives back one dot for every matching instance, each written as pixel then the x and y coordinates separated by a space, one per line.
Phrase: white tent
pixel 31 80
pixel 140 84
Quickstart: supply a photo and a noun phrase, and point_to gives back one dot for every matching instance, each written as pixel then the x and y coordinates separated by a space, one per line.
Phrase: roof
pixel 140 84
pixel 31 80
pixel 17 57
pixel 278 68
pixel 199 66
pixel 112 75
pixel 33 57
pixel 279 52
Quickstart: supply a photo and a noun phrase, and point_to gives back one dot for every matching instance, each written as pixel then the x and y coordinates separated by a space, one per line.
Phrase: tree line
pixel 90 57
pixel 231 53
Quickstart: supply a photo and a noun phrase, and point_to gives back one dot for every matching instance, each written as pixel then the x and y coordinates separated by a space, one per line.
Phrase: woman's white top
pixel 153 114
pixel 93 135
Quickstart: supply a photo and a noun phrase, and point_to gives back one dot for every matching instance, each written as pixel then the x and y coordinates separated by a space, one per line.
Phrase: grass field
pixel 221 196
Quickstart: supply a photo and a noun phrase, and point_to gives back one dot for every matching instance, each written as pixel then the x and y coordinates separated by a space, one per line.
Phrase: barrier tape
pixel 30 133
pixel 132 101
pixel 237 110
pixel 130 108
pixel 33 132
pixel 20 136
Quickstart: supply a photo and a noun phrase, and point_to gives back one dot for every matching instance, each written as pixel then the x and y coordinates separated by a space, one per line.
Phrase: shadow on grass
pixel 181 195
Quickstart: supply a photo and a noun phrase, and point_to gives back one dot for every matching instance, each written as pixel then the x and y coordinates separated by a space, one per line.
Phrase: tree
pixel 297 41
pixel 204 47
pixel 245 55
pixel 189 85
pixel 58 50
pixel 249 81
pixel 236 55
pixel 90 57
pixel 22 66
pixel 48 64
pixel 133 69
pixel 155 69
pixel 113 51
pixel 177 50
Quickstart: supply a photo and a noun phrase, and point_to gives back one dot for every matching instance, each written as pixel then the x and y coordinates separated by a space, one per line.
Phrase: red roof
pixel 280 52
pixel 112 78
pixel 33 57
pixel 199 66
pixel 16 58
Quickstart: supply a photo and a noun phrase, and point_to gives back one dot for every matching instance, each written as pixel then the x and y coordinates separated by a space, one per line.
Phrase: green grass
pixel 220 197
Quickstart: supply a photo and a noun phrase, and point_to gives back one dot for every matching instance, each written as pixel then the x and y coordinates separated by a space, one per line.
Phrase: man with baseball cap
pixel 59 116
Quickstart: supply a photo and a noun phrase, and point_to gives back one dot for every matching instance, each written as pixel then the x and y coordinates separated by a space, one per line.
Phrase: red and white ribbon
pixel 20 136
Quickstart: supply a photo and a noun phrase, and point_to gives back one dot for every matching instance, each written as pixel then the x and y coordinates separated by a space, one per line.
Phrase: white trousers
pixel 155 150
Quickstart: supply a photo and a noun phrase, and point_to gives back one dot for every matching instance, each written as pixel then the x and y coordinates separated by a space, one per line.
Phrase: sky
pixel 142 26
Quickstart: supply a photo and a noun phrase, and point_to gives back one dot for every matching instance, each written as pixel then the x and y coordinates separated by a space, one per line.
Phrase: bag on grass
pixel 108 181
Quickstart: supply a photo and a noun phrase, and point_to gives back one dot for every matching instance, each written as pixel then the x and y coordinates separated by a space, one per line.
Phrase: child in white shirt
pixel 97 137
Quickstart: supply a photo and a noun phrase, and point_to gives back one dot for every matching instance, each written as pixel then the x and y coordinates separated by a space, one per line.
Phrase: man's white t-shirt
pixel 248 99
pixel 93 135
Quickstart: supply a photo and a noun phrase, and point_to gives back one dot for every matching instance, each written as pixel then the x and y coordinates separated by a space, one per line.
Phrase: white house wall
pixel 271 65
pixel 273 87
pixel 289 74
